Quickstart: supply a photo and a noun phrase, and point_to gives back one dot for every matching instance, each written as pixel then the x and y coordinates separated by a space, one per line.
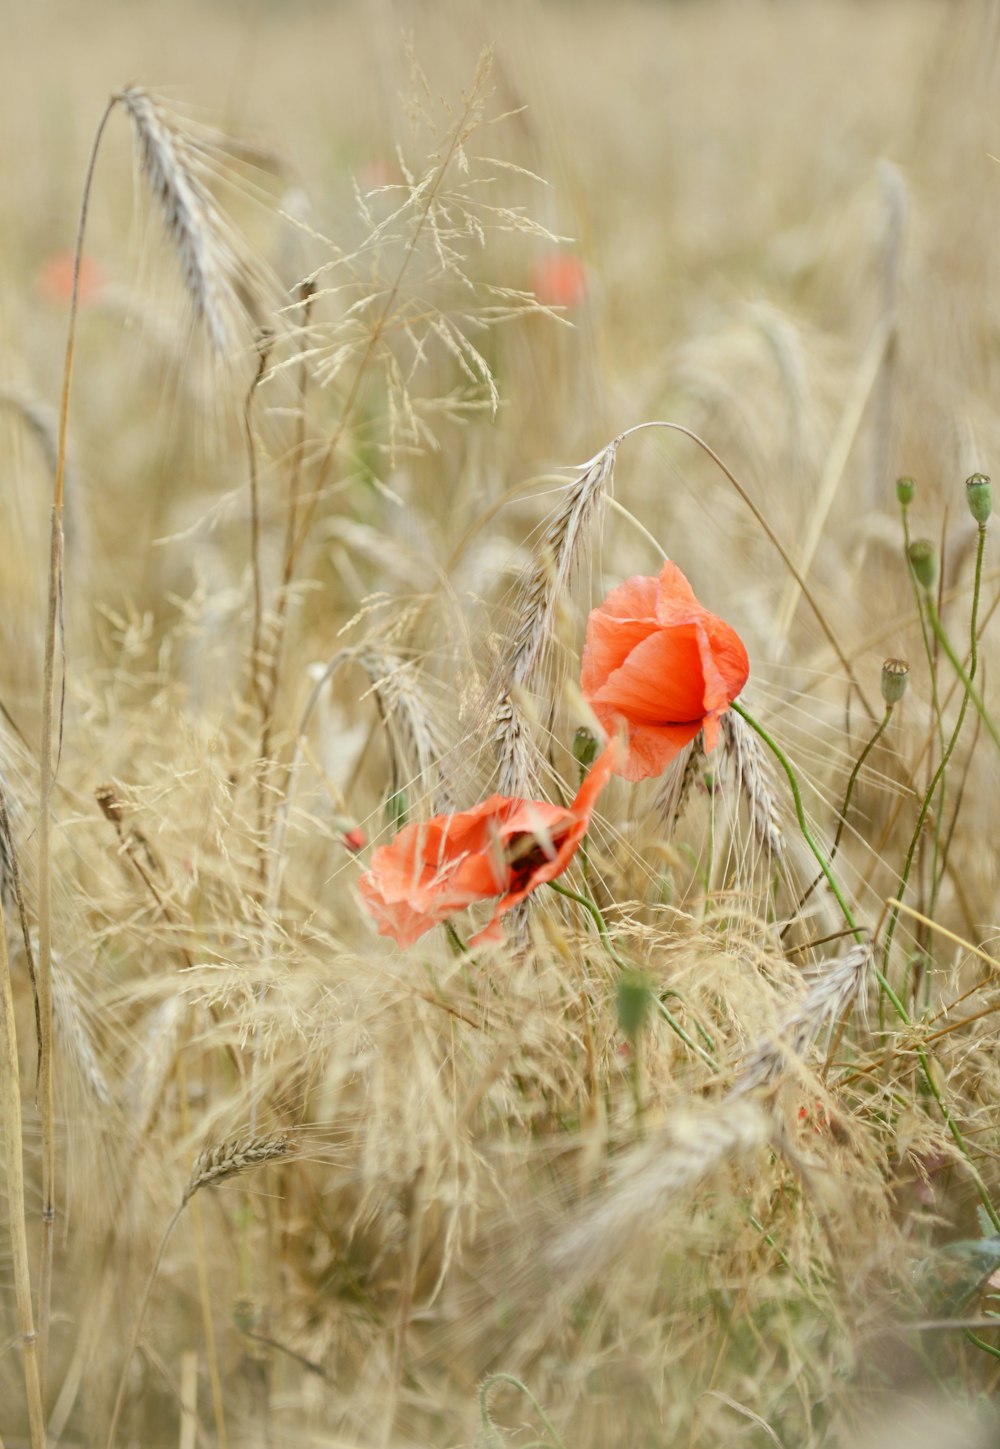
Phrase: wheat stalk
pixel 213 1165
pixel 541 588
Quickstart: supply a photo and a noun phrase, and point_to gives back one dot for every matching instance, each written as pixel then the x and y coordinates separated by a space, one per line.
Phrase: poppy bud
pixel 979 496
pixel 895 678
pixel 632 1001
pixel 905 489
pixel 395 809
pixel 923 561
pixel 584 748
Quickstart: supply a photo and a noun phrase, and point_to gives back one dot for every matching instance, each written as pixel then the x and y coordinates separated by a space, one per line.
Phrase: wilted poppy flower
pixel 659 662
pixel 503 847
pixel 559 279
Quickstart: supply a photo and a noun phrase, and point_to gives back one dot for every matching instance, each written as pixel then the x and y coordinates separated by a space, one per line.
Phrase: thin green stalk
pixel 949 748
pixel 501 1378
pixel 800 814
pixel 956 664
pixel 880 977
pixel 880 731
pixel 595 914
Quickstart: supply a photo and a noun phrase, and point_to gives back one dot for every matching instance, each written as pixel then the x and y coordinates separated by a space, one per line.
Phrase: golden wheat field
pixel 499 724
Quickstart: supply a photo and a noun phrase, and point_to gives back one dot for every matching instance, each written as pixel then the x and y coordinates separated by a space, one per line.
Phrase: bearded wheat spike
pixel 214 276
pixel 678 778
pixel 753 776
pixel 227 1159
pixel 542 585
pixel 833 987
pixel 409 718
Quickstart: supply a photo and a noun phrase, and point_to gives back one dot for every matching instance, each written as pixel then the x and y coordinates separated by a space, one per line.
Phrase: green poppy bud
pixel 895 678
pixel 584 748
pixel 923 561
pixel 633 1000
pixel 905 489
pixel 979 496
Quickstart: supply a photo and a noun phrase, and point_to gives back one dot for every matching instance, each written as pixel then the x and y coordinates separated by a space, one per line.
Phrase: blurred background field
pixel 771 223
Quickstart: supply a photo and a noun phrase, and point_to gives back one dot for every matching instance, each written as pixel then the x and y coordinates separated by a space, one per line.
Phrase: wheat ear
pixel 833 987
pixel 215 278
pixel 755 782
pixel 541 588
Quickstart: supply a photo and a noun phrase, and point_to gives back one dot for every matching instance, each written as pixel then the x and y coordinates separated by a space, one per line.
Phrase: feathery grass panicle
pixel 544 583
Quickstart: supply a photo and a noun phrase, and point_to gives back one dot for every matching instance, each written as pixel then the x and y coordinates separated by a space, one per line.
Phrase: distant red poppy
pixel 658 661
pixel 55 279
pixel 502 847
pixel 354 840
pixel 559 279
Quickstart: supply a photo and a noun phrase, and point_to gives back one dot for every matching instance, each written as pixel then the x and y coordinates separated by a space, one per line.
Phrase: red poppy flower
pixel 503 847
pixel 660 662
pixel 55 279
pixel 559 279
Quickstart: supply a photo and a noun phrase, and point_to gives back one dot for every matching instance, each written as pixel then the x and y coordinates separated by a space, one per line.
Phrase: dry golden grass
pixel 327 564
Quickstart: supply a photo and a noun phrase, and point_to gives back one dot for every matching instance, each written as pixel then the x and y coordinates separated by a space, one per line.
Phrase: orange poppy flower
pixel 559 279
pixel 503 847
pixel 660 662
pixel 55 279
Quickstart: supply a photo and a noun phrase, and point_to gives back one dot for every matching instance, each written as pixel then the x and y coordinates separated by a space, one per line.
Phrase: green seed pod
pixel 905 489
pixel 633 1001
pixel 584 748
pixel 895 678
pixel 979 496
pixel 923 561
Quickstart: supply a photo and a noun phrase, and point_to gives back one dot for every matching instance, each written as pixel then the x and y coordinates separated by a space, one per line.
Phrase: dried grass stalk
pixel 541 588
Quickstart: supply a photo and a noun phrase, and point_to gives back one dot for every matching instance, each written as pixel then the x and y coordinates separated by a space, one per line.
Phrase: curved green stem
pixel 501 1378
pixel 880 977
pixel 594 912
pixel 800 814
pixel 880 731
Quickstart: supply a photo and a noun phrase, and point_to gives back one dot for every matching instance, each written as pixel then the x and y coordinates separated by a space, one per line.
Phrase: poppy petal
pixel 661 681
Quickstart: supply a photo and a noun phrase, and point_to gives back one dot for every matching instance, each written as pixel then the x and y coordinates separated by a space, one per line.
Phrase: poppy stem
pixel 800 814
pixel 897 1005
pixel 595 914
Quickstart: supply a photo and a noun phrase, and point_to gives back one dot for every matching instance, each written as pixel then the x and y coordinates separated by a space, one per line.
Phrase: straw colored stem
pixel 46 1101
pixel 10 1094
